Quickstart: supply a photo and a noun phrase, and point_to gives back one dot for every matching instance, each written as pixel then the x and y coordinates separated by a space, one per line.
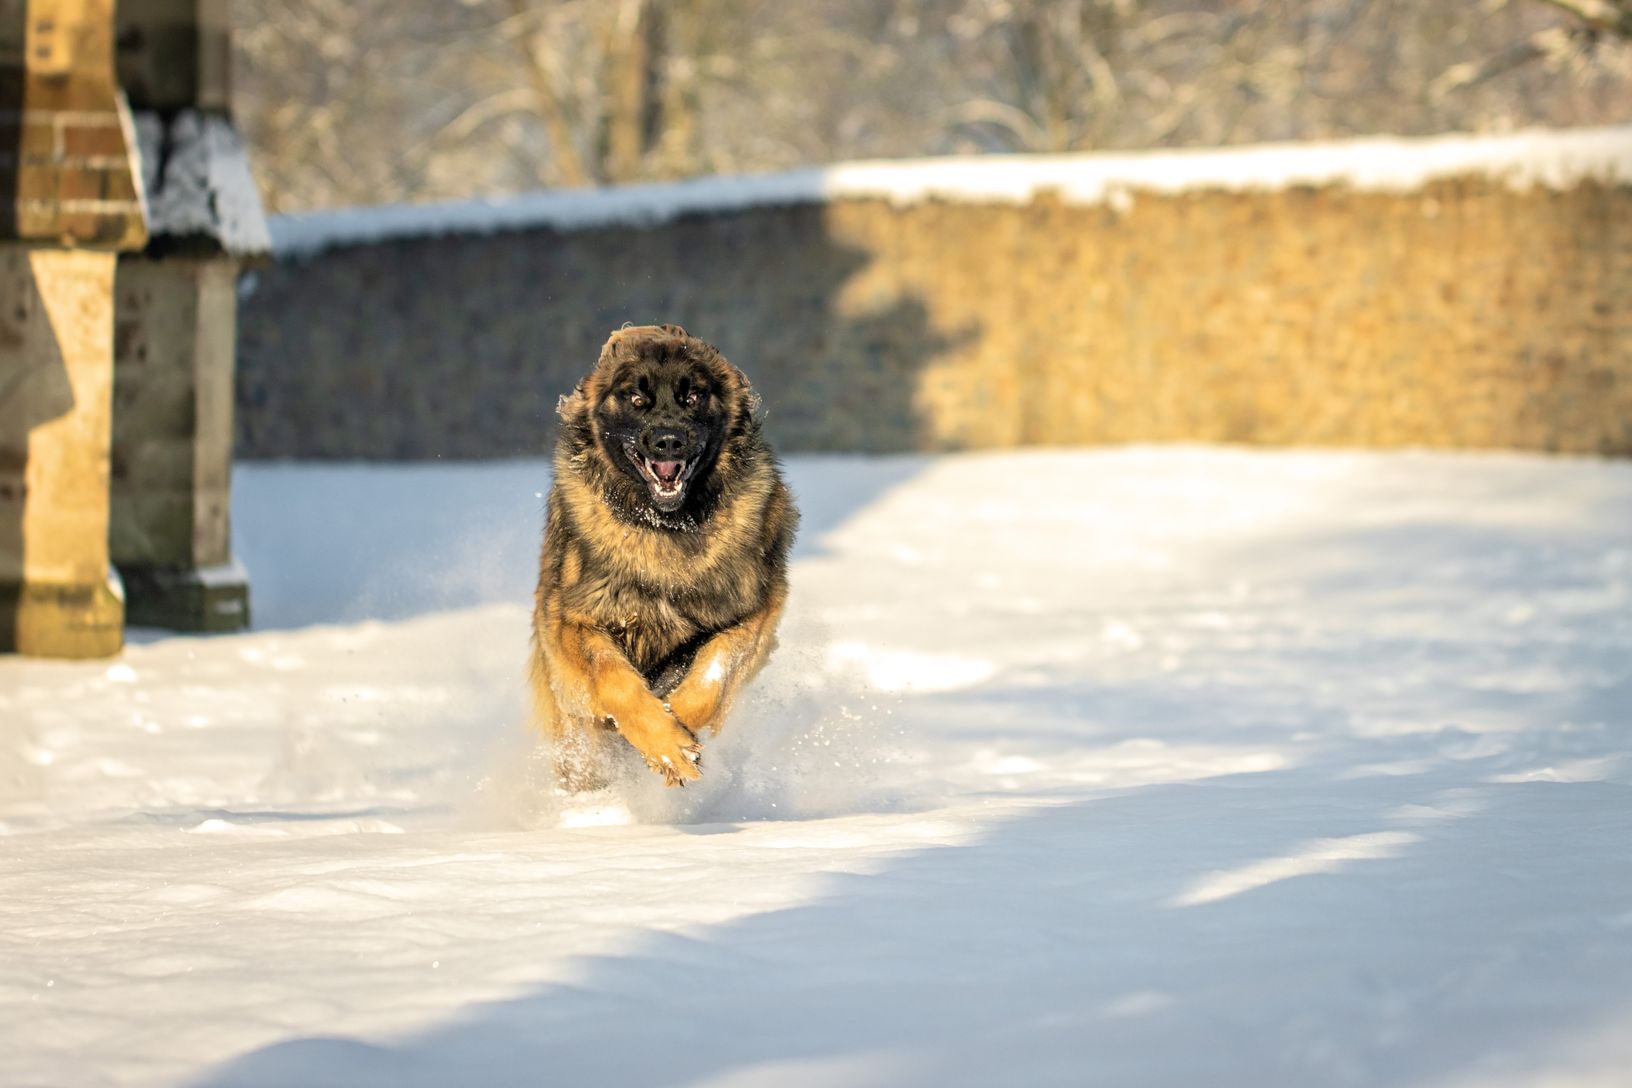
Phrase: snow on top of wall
pixel 1554 159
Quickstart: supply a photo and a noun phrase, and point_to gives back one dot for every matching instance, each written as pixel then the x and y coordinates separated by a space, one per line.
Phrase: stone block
pixel 57 595
pixel 200 599
pixel 71 620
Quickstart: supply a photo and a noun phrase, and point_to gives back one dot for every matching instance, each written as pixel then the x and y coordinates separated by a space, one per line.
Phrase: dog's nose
pixel 668 443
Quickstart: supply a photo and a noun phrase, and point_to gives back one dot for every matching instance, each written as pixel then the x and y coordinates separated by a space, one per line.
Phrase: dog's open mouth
pixel 666 479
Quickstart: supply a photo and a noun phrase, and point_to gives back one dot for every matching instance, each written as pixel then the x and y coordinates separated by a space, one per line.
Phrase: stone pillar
pixel 177 323
pixel 172 451
pixel 69 199
pixel 57 597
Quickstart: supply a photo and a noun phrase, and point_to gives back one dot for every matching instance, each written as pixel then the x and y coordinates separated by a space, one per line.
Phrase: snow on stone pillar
pixel 177 322
pixel 69 200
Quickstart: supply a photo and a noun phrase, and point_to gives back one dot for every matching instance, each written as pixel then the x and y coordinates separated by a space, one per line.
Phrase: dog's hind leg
pixel 582 759
pixel 577 744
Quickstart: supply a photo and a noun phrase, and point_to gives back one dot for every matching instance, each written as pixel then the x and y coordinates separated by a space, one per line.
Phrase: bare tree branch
pixel 1605 16
pixel 530 46
pixel 1459 77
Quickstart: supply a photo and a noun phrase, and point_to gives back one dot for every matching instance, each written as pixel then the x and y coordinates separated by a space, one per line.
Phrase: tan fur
pixel 625 594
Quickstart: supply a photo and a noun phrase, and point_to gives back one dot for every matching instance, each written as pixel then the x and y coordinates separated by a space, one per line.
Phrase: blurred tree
pixel 1593 21
pixel 598 76
pixel 1600 16
pixel 363 101
pixel 1050 69
pixel 332 109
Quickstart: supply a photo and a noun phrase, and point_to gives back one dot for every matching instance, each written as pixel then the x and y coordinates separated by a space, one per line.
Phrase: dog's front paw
pixel 669 748
pixel 680 761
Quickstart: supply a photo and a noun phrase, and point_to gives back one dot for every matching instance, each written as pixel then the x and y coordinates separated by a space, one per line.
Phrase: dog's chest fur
pixel 657 591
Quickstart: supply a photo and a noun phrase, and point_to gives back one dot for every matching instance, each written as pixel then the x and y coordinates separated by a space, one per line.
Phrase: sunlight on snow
pixel 904 670
pixel 1320 856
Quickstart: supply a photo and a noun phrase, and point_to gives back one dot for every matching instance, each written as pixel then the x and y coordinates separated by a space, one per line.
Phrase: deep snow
pixel 1147 766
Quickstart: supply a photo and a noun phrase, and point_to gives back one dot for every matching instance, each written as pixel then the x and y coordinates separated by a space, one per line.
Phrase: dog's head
pixel 660 406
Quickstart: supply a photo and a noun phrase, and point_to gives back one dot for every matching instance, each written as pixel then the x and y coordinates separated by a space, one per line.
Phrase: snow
pixel 1555 159
pixel 196 175
pixel 1141 767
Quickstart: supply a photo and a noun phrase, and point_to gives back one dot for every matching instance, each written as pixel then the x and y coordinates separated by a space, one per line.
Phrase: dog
pixel 664 567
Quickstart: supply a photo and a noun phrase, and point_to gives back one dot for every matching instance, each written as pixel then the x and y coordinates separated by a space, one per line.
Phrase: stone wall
pixel 1464 312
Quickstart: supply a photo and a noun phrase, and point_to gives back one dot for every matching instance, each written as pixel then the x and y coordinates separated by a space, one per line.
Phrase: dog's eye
pixel 636 400
pixel 693 399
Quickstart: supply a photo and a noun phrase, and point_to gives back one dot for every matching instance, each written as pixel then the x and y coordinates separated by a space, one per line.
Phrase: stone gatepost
pixel 177 322
pixel 70 198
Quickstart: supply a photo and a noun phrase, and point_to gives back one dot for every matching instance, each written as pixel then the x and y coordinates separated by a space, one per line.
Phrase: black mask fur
pixel 656 385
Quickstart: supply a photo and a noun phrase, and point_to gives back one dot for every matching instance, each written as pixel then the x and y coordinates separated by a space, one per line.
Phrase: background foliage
pixel 370 101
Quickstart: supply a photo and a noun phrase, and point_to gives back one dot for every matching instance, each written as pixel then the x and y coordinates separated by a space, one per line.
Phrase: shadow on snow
pixel 1059 948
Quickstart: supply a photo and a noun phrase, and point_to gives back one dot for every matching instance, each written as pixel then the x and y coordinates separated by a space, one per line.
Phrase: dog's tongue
pixel 667 471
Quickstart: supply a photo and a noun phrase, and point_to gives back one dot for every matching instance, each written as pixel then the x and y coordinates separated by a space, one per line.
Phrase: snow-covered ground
pixel 1130 767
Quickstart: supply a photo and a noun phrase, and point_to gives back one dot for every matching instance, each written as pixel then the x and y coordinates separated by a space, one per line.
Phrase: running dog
pixel 664 566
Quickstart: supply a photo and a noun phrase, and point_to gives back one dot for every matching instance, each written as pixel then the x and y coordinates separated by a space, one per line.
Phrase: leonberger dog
pixel 664 567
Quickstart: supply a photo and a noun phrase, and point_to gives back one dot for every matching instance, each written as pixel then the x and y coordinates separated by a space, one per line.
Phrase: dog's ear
pixel 574 407
pixel 749 397
pixel 743 391
pixel 755 406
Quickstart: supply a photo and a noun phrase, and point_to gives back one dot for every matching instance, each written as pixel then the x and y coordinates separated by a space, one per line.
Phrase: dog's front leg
pixel 724 664
pixel 591 674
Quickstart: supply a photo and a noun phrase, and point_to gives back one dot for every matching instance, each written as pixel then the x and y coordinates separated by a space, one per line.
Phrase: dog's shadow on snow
pixel 1201 932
